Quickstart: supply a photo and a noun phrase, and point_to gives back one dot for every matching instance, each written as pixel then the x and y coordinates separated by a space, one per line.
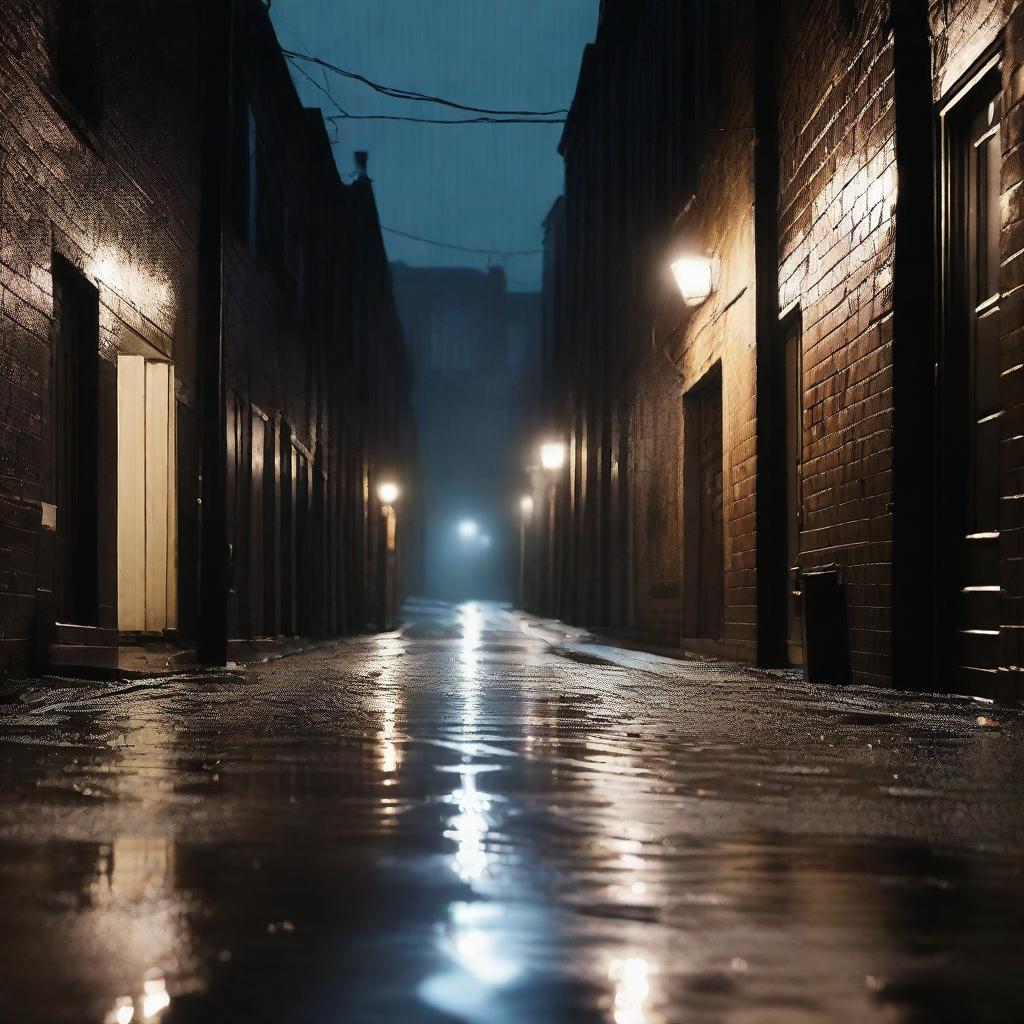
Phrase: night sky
pixel 486 186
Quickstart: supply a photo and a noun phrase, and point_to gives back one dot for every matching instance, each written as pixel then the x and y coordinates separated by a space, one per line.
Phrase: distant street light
pixel 695 278
pixel 526 505
pixel 468 529
pixel 552 456
pixel 388 492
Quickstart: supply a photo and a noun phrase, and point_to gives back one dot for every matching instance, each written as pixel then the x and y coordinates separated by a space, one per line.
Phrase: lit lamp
pixel 552 456
pixel 526 505
pixel 468 529
pixel 695 278
pixel 388 492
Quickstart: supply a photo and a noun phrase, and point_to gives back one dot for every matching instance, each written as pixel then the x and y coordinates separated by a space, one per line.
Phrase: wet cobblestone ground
pixel 482 819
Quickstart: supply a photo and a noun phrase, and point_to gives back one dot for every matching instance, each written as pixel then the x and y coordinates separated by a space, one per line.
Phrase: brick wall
pixel 871 414
pixel 312 339
pixel 116 196
pixel 838 190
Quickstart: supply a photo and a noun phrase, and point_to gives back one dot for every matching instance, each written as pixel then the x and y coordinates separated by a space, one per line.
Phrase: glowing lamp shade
pixel 695 278
pixel 468 529
pixel 552 455
pixel 388 492
pixel 526 505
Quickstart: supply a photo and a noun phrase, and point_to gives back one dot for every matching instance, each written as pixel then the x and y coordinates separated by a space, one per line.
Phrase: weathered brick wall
pixel 315 345
pixel 838 188
pixel 118 200
pixel 721 331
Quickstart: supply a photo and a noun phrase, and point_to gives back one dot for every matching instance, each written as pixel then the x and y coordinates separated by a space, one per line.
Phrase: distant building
pixel 474 349
pixel 196 374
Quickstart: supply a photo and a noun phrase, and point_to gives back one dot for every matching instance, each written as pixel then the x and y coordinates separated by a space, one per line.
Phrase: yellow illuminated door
pixel 146 516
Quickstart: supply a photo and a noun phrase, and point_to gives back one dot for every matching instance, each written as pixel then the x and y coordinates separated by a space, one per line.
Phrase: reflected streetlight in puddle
pixel 468 828
pixel 631 979
pixel 470 621
pixel 390 751
pixel 148 1007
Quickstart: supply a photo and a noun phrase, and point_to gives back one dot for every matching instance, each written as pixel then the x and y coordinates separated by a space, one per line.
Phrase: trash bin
pixel 826 631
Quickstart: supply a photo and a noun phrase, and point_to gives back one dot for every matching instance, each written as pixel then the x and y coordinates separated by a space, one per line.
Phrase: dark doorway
pixel 704 545
pixel 289 464
pixel 261 526
pixel 970 410
pixel 74 426
pixel 791 340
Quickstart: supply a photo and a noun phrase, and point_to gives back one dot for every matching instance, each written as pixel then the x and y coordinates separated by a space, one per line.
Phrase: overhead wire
pixel 413 95
pixel 445 120
pixel 463 248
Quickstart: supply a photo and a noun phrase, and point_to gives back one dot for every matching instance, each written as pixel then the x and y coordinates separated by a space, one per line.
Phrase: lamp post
pixel 525 515
pixel 552 460
pixel 388 492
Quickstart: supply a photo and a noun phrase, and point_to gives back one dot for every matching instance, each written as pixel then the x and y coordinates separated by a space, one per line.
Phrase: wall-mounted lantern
pixel 696 277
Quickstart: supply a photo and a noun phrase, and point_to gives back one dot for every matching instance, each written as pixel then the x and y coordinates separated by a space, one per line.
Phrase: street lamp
pixel 552 456
pixel 388 492
pixel 526 505
pixel 468 529
pixel 695 277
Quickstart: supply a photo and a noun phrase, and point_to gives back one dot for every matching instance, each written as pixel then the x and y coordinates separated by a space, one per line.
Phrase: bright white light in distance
pixel 468 529
pixel 526 505
pixel 552 455
pixel 388 492
pixel 695 278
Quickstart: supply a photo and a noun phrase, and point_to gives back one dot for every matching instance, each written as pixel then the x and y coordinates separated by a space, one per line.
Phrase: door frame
pixel 984 77
pixel 693 573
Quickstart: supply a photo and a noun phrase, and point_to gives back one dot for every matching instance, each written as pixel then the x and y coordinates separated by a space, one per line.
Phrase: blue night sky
pixel 486 186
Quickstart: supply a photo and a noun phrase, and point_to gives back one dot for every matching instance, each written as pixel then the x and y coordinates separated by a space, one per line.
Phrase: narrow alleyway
pixel 482 818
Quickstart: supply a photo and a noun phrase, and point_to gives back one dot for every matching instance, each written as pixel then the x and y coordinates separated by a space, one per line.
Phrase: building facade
pixel 202 387
pixel 474 347
pixel 835 422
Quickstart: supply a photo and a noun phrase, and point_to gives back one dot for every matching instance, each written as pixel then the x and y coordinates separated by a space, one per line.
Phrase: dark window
pixel 709 57
pixel 252 180
pixel 516 346
pixel 75 56
pixel 271 214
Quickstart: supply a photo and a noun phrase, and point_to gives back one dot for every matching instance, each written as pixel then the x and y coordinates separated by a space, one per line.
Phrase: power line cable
pixel 463 248
pixel 343 113
pixel 410 94
pixel 444 120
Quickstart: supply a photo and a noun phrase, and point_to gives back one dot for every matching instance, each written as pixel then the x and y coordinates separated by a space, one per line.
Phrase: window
pixel 75 56
pixel 516 346
pixel 451 341
pixel 708 38
pixel 251 179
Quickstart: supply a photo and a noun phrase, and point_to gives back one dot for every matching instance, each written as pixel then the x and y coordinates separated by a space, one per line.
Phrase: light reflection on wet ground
pixel 483 819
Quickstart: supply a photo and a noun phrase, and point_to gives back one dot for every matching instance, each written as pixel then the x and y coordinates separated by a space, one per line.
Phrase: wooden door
pixel 970 388
pixel 705 551
pixel 257 525
pixel 146 496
